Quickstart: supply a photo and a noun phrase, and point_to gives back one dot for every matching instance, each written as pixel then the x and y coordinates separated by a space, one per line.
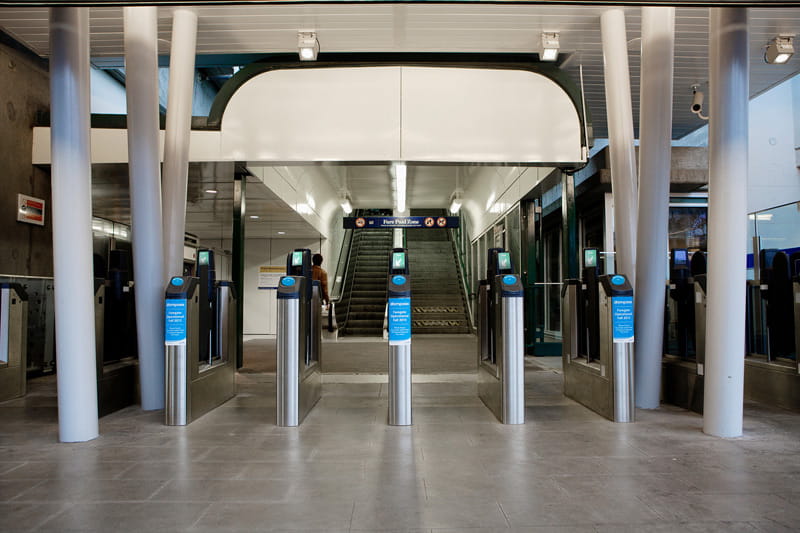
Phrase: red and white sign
pixel 30 210
pixel 441 222
pixel 429 222
pixel 360 222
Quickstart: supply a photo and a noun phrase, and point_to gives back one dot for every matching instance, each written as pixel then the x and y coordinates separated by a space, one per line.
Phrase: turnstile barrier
pixel 13 340
pixel 194 387
pixel 605 385
pixel 299 380
pixel 501 342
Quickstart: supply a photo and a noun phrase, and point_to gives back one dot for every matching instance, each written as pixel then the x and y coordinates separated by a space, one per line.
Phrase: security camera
pixel 697 101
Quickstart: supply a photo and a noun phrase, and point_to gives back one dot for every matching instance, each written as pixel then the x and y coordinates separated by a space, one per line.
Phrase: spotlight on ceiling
pixel 779 49
pixel 307 45
pixel 455 203
pixel 549 47
pixel 344 201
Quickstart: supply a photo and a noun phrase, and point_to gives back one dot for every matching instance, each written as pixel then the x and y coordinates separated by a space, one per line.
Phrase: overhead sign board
pixel 400 222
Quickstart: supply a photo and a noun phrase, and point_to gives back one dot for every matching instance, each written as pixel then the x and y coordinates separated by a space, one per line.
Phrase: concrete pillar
pixel 655 134
pixel 176 143
pixel 727 221
pixel 72 224
pixel 620 139
pixel 141 70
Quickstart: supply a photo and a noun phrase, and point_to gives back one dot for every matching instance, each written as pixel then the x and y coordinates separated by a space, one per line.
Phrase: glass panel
pixel 552 270
pixel 688 228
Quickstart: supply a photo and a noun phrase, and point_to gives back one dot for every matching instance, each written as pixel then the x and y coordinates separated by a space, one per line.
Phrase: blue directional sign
pixel 432 222
pixel 622 318
pixel 399 321
pixel 175 322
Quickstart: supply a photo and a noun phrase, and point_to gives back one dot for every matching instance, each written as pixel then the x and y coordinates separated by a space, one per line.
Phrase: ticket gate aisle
pixel 299 380
pixel 198 380
pixel 501 343
pixel 684 335
pixel 795 260
pixel 772 373
pixel 115 335
pixel 399 322
pixel 602 380
pixel 13 340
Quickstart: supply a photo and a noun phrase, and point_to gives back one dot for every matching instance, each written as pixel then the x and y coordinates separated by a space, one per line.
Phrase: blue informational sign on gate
pixel 175 322
pixel 399 321
pixel 622 318
pixel 432 222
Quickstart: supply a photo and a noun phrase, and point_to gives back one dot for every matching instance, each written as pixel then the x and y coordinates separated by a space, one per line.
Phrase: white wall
pixel 260 305
pixel 494 191
pixel 108 95
pixel 306 189
pixel 773 177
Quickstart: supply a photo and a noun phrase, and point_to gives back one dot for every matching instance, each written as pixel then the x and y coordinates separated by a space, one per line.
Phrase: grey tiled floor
pixel 344 469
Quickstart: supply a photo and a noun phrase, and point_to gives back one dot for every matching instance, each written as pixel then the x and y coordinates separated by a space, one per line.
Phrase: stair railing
pixel 465 287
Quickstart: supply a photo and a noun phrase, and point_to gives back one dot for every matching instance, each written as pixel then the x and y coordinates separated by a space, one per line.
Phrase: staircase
pixel 363 304
pixel 437 299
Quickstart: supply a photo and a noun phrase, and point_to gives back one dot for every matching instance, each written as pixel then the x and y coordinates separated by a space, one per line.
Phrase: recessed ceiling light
pixel 281 233
pixel 253 216
pixel 212 191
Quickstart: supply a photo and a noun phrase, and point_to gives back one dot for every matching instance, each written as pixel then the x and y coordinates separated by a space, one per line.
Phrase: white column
pixel 141 79
pixel 727 221
pixel 620 138
pixel 176 143
pixel 655 134
pixel 72 224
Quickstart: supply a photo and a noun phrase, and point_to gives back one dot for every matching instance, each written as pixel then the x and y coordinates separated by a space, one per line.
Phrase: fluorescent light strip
pixel 400 190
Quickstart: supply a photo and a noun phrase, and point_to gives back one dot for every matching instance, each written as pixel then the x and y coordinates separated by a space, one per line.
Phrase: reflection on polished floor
pixel 344 469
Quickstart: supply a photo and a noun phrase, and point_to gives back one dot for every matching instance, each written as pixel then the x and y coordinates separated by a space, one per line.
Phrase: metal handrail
pixel 337 288
pixel 462 277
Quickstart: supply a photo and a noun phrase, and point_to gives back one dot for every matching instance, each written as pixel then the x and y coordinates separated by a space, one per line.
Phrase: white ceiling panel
pixel 460 28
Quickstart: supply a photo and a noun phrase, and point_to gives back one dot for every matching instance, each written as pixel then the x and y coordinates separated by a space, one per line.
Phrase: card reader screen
pixel 680 257
pixel 202 257
pixel 398 261
pixel 590 258
pixel 503 261
pixel 297 259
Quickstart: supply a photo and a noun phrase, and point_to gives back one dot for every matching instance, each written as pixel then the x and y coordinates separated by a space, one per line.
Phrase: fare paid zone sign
pixel 399 321
pixel 400 222
pixel 175 323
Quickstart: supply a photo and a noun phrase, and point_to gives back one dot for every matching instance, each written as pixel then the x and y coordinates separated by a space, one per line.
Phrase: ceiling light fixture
pixel 281 233
pixel 455 203
pixel 344 201
pixel 780 49
pixel 307 45
pixel 253 216
pixel 549 47
pixel 212 191
pixel 400 186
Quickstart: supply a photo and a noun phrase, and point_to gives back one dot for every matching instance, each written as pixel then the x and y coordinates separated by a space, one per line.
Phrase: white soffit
pixel 401 113
pixel 489 116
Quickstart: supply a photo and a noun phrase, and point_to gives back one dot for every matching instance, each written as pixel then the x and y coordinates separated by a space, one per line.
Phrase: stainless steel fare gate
pixel 501 364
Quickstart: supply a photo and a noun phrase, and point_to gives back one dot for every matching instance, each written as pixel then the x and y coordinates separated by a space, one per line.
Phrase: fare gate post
pixel 399 315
